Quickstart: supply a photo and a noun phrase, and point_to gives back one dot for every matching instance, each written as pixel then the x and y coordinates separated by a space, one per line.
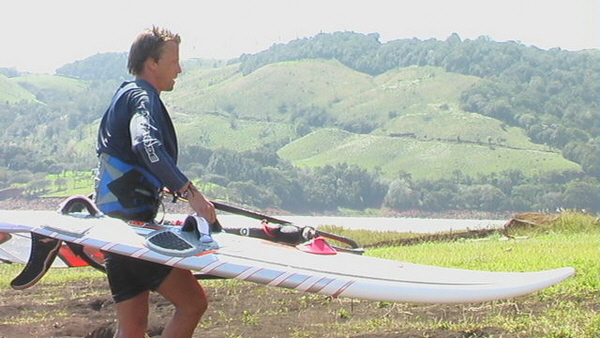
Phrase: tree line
pixel 261 178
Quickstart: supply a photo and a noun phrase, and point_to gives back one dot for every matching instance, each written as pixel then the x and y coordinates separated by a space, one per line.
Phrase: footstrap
pixel 192 238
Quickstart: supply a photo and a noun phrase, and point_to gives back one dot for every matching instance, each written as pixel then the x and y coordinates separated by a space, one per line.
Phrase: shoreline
pixel 52 203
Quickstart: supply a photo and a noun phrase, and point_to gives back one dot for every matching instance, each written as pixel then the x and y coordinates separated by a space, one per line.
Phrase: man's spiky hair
pixel 148 44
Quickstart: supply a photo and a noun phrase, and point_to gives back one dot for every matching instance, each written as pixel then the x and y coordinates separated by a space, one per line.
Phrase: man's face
pixel 167 67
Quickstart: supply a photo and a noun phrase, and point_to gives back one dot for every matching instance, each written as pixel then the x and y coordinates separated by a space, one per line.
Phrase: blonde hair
pixel 148 44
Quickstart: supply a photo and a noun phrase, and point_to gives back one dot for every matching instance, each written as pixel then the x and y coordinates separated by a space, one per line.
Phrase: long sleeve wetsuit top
pixel 138 130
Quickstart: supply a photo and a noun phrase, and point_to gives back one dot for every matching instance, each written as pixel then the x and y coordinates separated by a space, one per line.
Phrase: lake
pixel 419 225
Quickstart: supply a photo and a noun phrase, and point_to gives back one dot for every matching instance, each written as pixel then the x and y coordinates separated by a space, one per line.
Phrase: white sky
pixel 42 35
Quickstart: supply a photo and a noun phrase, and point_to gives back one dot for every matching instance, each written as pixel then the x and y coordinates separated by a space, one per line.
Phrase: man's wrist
pixel 187 191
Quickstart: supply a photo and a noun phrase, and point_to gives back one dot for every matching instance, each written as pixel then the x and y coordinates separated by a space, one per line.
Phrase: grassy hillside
pixel 420 158
pixel 11 92
pixel 419 126
pixel 270 93
pixel 448 123
pixel 217 131
pixel 404 91
pixel 277 90
pixel 38 87
pixel 50 84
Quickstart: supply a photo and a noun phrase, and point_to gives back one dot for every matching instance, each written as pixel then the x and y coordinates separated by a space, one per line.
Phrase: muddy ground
pixel 84 308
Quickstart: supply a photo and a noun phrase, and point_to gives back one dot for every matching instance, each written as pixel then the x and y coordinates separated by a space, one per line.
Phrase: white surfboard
pixel 260 261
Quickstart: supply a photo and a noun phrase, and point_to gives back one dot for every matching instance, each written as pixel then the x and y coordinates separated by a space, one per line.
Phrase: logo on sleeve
pixel 152 156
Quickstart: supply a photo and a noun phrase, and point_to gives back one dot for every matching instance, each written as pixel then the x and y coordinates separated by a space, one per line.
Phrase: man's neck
pixel 149 80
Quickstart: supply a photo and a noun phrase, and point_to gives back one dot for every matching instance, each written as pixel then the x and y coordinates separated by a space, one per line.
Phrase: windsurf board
pixel 265 262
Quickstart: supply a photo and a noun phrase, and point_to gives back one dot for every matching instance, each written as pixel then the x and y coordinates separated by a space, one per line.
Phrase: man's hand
pixel 200 204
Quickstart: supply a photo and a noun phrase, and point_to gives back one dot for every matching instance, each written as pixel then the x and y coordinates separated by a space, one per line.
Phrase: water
pixel 418 225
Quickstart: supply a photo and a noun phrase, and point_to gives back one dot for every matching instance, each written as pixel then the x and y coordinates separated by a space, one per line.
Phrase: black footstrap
pixel 43 252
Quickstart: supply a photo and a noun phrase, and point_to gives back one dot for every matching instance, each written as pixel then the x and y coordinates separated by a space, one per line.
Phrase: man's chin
pixel 170 87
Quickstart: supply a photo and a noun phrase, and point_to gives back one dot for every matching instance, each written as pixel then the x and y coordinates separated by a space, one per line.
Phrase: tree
pixel 400 196
pixel 37 186
pixel 61 183
pixel 582 194
pixel 287 187
pixel 482 197
pixel 438 200
pixel 342 185
pixel 251 194
pixel 9 72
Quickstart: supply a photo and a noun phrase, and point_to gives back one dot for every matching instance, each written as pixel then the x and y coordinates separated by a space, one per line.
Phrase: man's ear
pixel 150 64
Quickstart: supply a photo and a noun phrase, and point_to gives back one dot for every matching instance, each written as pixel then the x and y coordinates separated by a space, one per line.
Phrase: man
pixel 137 150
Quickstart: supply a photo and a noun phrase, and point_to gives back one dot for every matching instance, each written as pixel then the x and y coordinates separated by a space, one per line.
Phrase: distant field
pixel 23 87
pixel 51 82
pixel 218 132
pixel 404 91
pixel 70 183
pixel 420 158
pixel 11 92
pixel 271 92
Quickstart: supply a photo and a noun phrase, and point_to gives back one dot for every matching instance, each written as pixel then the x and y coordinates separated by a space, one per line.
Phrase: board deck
pixel 265 262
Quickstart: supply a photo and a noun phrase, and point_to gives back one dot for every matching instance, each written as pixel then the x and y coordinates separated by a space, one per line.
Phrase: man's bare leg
pixel 132 316
pixel 183 290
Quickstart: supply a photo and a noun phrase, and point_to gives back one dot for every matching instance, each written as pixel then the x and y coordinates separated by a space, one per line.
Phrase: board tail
pixel 43 252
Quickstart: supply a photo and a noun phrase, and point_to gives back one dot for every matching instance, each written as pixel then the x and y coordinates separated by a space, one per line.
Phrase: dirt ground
pixel 237 309
pixel 84 308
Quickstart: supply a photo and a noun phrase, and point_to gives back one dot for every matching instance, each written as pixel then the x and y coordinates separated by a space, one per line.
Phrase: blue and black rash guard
pixel 137 148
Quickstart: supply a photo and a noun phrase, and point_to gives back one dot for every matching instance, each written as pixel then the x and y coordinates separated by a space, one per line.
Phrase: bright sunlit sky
pixel 40 35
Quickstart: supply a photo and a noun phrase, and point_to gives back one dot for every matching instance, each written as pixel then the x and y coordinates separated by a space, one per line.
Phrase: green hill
pixel 403 91
pixel 215 131
pixel 280 91
pixel 412 117
pixel 50 84
pixel 431 159
pixel 271 93
pixel 37 87
pixel 448 123
pixel 11 92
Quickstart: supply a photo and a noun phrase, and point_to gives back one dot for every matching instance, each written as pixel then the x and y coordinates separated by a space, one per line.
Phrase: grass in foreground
pixel 568 309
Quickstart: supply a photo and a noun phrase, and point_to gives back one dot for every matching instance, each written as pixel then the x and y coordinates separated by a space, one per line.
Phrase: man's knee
pixel 198 306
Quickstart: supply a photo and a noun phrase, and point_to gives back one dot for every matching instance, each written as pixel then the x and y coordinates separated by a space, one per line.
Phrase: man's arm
pixel 147 145
pixel 149 148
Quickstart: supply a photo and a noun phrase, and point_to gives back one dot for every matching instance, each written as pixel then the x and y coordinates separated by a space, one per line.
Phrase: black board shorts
pixel 129 277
